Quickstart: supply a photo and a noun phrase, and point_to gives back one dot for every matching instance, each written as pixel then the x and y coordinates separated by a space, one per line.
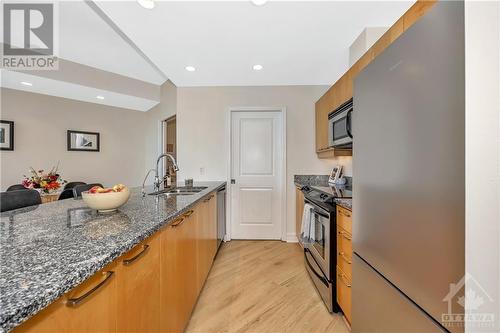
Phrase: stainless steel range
pixel 319 253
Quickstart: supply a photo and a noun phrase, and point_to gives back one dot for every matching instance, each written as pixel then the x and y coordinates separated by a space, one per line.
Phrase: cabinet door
pixel 419 9
pixel 212 227
pixel 179 285
pixel 319 124
pixel 90 307
pixel 299 210
pixel 138 288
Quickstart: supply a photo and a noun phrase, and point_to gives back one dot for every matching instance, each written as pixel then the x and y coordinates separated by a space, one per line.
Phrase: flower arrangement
pixel 45 183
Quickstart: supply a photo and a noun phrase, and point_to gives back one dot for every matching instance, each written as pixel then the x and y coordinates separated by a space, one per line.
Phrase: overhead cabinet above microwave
pixel 342 91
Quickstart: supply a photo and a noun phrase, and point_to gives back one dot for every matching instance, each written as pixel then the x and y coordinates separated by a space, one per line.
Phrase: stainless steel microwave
pixel 339 126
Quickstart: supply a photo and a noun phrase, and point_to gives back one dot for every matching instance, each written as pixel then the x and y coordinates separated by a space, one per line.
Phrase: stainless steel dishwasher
pixel 221 215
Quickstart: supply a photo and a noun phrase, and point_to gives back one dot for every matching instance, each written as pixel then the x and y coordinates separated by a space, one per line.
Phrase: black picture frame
pixel 11 134
pixel 98 141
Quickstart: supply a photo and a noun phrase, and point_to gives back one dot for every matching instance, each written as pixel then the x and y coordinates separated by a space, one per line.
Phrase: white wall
pixel 482 260
pixel 202 125
pixel 41 123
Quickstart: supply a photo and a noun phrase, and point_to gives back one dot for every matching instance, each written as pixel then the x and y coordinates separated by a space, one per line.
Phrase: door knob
pixel 233 181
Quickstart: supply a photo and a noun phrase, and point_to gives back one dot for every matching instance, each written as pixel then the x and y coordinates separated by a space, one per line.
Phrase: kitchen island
pixel 48 250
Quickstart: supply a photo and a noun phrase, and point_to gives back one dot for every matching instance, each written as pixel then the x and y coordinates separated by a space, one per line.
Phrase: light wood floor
pixel 261 286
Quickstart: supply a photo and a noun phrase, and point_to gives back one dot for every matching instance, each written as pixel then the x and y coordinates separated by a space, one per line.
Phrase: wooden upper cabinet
pixel 138 288
pixel 321 123
pixel 361 63
pixel 90 307
pixel 388 37
pixel 416 12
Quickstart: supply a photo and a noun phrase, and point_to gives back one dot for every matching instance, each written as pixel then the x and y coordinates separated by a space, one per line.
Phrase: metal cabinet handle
pixel 209 198
pixel 140 254
pixel 345 235
pixel 189 213
pixel 72 302
pixel 178 222
pixel 343 256
pixel 341 276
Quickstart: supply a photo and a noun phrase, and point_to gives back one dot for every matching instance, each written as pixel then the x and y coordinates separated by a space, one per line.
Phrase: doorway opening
pixel 169 140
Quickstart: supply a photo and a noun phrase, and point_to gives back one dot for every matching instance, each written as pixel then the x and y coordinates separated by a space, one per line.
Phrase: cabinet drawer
pixel 344 219
pixel 344 252
pixel 344 293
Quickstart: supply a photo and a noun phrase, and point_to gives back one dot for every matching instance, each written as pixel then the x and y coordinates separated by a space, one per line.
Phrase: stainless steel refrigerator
pixel 409 186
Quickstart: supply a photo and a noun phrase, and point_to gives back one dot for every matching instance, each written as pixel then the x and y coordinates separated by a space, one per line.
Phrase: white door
pixel 256 168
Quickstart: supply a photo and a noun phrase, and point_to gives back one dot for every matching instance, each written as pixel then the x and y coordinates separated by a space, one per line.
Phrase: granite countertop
pixel 47 250
pixel 318 182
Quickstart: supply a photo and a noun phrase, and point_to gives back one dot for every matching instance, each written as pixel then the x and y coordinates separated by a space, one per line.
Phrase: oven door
pixel 339 129
pixel 320 245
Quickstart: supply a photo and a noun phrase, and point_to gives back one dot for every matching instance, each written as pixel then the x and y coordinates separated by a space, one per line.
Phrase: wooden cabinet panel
pixel 416 12
pixel 178 269
pixel 95 312
pixel 299 210
pixel 344 294
pixel 344 219
pixel 344 252
pixel 388 38
pixel 361 63
pixel 212 227
pixel 138 288
pixel 321 123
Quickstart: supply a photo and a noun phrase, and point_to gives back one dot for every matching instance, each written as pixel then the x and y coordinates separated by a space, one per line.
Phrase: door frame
pixel 228 148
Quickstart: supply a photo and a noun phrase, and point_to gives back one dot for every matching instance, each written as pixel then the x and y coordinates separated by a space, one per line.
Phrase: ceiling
pixel 86 38
pixel 64 89
pixel 297 43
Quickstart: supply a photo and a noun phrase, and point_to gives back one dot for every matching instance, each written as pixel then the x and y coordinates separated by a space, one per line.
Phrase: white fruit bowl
pixel 106 202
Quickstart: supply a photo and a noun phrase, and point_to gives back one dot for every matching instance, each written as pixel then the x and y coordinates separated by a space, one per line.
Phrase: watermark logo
pixel 29 32
pixel 466 300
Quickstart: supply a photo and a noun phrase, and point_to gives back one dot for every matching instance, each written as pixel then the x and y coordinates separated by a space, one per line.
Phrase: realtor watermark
pixel 29 36
pixel 466 302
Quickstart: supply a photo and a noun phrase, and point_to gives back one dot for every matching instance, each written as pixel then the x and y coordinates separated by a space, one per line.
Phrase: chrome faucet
pixel 143 191
pixel 157 181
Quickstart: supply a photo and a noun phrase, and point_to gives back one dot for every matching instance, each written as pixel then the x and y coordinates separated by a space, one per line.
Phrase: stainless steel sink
pixel 181 190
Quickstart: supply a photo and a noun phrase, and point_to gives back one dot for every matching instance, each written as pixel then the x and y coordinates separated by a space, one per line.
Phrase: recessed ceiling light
pixel 259 2
pixel 148 4
pixel 99 97
pixel 24 83
pixel 257 67
pixel 190 68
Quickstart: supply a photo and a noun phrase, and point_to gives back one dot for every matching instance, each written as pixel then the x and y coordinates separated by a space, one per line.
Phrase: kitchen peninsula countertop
pixel 47 250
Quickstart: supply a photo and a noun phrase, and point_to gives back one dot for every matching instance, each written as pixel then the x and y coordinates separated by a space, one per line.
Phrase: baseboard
pixel 291 238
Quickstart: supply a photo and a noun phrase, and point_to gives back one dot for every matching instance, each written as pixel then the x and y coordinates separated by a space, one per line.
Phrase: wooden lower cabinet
pixel 179 283
pixel 138 288
pixel 299 210
pixel 344 260
pixel 344 297
pixel 81 309
pixel 152 288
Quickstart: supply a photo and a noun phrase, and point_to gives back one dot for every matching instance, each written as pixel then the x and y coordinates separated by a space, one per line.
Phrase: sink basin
pixel 181 190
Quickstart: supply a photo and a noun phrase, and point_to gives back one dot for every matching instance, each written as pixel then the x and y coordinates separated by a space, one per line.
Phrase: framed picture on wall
pixel 6 135
pixel 83 141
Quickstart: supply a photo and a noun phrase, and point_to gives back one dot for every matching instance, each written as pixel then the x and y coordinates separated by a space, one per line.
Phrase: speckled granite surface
pixel 322 181
pixel 346 203
pixel 311 180
pixel 47 250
